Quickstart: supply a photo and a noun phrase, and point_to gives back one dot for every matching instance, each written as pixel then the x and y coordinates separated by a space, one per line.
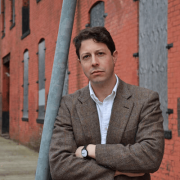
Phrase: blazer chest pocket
pixel 129 136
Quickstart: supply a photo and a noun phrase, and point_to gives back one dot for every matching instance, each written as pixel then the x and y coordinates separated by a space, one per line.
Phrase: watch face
pixel 84 153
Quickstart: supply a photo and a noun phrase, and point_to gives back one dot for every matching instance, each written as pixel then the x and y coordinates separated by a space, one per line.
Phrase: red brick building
pixel 27 47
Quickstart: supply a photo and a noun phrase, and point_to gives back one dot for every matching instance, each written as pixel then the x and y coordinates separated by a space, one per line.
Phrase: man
pixel 109 129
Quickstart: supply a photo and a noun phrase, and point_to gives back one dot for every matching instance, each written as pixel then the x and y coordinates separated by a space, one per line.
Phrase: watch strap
pixel 85 147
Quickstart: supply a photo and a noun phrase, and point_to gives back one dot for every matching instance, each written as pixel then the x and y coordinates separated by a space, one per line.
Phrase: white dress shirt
pixel 104 109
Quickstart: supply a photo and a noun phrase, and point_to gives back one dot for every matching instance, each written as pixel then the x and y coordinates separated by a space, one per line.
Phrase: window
pixel 25 19
pixel 12 14
pixel 25 85
pixel 41 63
pixel 97 15
pixel 5 93
pixel 153 56
pixel 3 18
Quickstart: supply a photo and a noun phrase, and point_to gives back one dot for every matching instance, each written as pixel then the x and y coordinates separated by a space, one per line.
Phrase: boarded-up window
pixel 25 85
pixel 12 14
pixel 3 18
pixel 153 54
pixel 41 63
pixel 97 15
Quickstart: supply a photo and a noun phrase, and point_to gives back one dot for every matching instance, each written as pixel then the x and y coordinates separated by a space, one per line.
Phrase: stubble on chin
pixel 96 81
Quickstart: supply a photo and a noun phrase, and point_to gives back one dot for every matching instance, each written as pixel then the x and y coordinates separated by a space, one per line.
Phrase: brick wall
pixel 25 2
pixel 44 23
pixel 122 22
pixel 170 167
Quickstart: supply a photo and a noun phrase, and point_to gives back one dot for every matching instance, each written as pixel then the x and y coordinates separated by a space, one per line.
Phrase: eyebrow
pixel 100 50
pixel 95 51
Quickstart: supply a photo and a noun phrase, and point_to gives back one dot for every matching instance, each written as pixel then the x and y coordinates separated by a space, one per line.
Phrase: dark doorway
pixel 5 94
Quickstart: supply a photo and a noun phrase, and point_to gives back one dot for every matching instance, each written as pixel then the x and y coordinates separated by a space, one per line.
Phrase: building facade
pixel 146 34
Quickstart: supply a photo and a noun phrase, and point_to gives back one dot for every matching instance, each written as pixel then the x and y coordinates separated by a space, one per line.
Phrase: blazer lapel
pixel 88 116
pixel 120 114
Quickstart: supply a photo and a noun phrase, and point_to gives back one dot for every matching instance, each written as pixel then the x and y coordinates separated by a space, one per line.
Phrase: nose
pixel 95 61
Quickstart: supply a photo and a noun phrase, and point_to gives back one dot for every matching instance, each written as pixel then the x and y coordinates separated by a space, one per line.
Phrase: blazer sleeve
pixel 64 165
pixel 146 154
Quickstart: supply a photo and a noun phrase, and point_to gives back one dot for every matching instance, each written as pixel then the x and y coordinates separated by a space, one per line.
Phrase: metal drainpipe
pixel 56 86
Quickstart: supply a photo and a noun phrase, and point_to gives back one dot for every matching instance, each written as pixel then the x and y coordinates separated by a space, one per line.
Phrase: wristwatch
pixel 84 152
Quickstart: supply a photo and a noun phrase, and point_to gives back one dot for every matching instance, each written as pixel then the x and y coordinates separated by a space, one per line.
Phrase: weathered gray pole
pixel 56 86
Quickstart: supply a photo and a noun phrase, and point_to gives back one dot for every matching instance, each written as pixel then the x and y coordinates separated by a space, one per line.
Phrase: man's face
pixel 97 62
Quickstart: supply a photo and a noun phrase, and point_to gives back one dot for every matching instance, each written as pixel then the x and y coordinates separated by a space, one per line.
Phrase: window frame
pixel 41 81
pixel 12 14
pixel 3 7
pixel 25 85
pixel 27 32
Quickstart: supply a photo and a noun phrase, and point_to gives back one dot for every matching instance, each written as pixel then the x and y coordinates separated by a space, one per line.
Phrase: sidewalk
pixel 17 162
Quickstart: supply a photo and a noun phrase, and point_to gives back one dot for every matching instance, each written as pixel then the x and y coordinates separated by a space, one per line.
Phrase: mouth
pixel 96 72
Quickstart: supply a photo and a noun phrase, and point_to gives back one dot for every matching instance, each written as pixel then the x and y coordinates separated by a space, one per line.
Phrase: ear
pixel 115 56
pixel 79 61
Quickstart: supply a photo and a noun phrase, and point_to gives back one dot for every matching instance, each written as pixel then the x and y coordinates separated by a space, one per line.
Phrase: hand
pixel 78 151
pixel 117 173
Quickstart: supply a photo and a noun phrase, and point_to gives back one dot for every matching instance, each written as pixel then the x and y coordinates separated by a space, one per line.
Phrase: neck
pixel 102 90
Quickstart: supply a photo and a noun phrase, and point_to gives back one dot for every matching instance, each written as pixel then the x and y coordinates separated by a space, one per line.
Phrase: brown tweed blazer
pixel 135 138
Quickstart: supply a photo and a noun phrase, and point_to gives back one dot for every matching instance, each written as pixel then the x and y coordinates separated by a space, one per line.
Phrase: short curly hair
pixel 99 34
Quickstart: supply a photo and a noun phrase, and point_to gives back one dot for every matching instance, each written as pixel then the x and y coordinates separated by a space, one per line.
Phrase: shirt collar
pixel 92 94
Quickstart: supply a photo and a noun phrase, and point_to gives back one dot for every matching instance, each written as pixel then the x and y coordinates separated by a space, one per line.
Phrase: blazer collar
pixel 121 111
pixel 121 91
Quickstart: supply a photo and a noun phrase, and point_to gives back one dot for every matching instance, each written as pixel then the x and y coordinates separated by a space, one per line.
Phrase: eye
pixel 101 53
pixel 86 57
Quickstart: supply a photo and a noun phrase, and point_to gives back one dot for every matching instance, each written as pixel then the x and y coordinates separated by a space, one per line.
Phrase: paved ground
pixel 17 162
